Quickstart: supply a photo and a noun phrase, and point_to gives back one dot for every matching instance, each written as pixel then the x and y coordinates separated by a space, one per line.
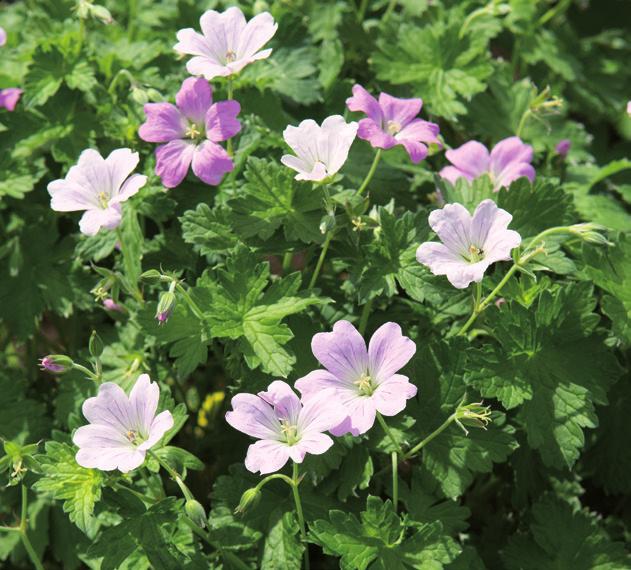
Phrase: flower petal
pixel 266 456
pixel 221 121
pixel 391 396
pixel 131 186
pixel 164 123
pixel 10 97
pixel 192 43
pixel 342 351
pixel 143 403
pixel 161 424
pixel 400 111
pixel 361 416
pixel 452 224
pixel 417 151
pixel 507 152
pixel 318 381
pixel 370 131
pixel 339 136
pixel 420 131
pixel 286 404
pixel 472 159
pixel 320 413
pixel 93 220
pixel 110 407
pixel 313 443
pixel 388 351
pixel 211 162
pixel 120 163
pixel 451 174
pixel 223 30
pixel 194 99
pixel 254 417
pixel 512 173
pixel 3 37
pixel 173 160
pixel 207 67
pixel 257 32
pixel 443 261
pixel 365 102
pixel 67 196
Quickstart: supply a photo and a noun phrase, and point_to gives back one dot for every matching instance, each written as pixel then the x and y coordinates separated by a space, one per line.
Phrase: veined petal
pixel 342 352
pixel 320 413
pixel 221 120
pixel 223 30
pixel 286 403
pixel 68 196
pixel 339 138
pixel 93 220
pixel 130 187
pixel 110 407
pixel 161 424
pixel 143 403
pixel 211 162
pixel 121 163
pixel 173 160
pixel 266 456
pixel 451 174
pixel 391 396
pixel 452 224
pixel 108 459
pixel 365 102
pixel 254 417
pixel 443 261
pixel 472 158
pixel 370 131
pixel 317 382
pixel 507 152
pixel 194 99
pixel 514 172
pixel 388 351
pixel 207 67
pixel 192 43
pixel 400 111
pixel 164 123
pixel 257 32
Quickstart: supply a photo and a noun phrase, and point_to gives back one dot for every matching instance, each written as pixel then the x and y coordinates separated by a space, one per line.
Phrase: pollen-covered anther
pixel 365 385
pixel 230 56
pixel 192 132
pixel 131 435
pixel 393 127
pixel 289 431
pixel 475 253
pixel 103 200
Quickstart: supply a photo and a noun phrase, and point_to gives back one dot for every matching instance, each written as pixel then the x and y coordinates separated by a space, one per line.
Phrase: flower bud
pixel 95 345
pixel 165 307
pixel 196 512
pixel 563 147
pixel 590 233
pixel 110 305
pixel 327 223
pixel 249 499
pixel 151 275
pixel 101 13
pixel 473 415
pixel 139 95
pixel 56 363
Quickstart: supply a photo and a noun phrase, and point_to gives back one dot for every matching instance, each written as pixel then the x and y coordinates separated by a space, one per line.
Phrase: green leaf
pixel 563 537
pixel 21 419
pixel 379 541
pixel 209 231
pixel 282 549
pixel 550 361
pixel 270 198
pixel 79 488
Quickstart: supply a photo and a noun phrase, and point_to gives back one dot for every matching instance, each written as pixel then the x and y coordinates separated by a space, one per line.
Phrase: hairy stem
pixel 394 457
pixel 363 320
pixel 412 452
pixel 26 542
pixel 371 173
pixel 325 247
pixel 389 433
pixel 301 517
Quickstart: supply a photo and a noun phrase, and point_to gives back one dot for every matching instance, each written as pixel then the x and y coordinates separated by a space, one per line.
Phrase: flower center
pixel 365 385
pixel 475 254
pixel 192 132
pixel 230 56
pixel 131 435
pixel 103 199
pixel 393 127
pixel 289 431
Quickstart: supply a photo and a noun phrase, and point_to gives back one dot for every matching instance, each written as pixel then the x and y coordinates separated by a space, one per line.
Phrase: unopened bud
pixel 56 363
pixel 95 345
pixel 590 233
pixel 139 95
pixel 165 307
pixel 327 223
pixel 196 512
pixel 151 275
pixel 111 305
pixel 101 13
pixel 473 415
pixel 563 147
pixel 248 500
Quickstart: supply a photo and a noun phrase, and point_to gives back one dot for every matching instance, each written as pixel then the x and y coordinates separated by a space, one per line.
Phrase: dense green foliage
pixel 545 486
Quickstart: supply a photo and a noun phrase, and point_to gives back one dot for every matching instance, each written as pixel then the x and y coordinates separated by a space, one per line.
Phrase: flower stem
pixel 371 172
pixel 325 247
pixel 26 542
pixel 301 517
pixel 389 433
pixel 230 93
pixel 189 301
pixel 389 9
pixel 287 259
pixel 175 476
pixel 394 456
pixel 412 452
pixel 87 372
pixel 363 320
pixel 522 122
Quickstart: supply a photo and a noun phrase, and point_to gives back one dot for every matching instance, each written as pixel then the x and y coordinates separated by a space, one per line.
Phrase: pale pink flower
pixel 563 147
pixel 320 150
pixel 470 244
pixel 286 427
pixel 122 429
pixel 99 186
pixel 227 43
pixel 10 97
pixel 3 37
pixel 364 380
pixel 509 160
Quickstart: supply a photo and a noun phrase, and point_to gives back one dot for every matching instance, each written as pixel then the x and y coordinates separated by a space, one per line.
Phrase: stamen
pixel 103 199
pixel 475 254
pixel 365 385
pixel 192 132
pixel 131 435
pixel 289 431
pixel 393 127
pixel 230 56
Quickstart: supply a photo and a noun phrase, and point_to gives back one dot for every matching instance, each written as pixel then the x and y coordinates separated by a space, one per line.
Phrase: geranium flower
pixel 99 186
pixel 285 427
pixel 392 121
pixel 509 160
pixel 121 428
pixel 364 381
pixel 563 147
pixel 3 37
pixel 191 130
pixel 321 150
pixel 470 244
pixel 227 43
pixel 9 97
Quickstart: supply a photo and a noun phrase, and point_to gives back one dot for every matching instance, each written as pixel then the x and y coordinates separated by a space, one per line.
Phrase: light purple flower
pixel 286 427
pixel 9 97
pixel 191 130
pixel 3 37
pixel 121 428
pixel 111 305
pixel 563 147
pixel 629 108
pixel 470 244
pixel 392 121
pixel 227 43
pixel 364 381
pixel 509 160
pixel 99 186
pixel 321 150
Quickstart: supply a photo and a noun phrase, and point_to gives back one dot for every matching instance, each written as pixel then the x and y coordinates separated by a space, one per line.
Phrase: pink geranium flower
pixel 3 37
pixel 191 130
pixel 563 147
pixel 99 186
pixel 364 381
pixel 9 97
pixel 227 43
pixel 470 244
pixel 121 428
pixel 509 160
pixel 392 121
pixel 286 427
pixel 320 150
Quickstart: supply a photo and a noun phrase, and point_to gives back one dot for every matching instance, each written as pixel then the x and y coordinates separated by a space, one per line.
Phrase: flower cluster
pixel 356 384
pixel 10 96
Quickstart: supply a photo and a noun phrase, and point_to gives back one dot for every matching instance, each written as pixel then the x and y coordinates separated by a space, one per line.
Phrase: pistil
pixel 289 431
pixel 365 385
pixel 393 127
